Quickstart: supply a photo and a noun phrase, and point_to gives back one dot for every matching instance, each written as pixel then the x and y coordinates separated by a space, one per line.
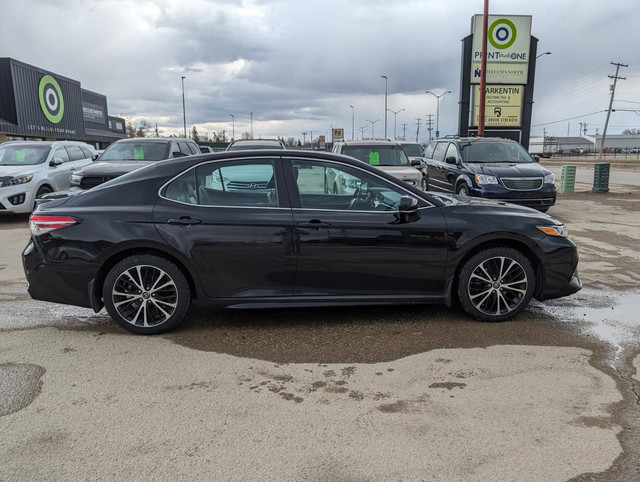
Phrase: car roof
pixel 45 143
pixel 153 139
pixel 372 142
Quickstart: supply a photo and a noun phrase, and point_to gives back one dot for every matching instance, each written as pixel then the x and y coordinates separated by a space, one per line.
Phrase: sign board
pixel 503 105
pixel 93 113
pixel 337 135
pixel 508 40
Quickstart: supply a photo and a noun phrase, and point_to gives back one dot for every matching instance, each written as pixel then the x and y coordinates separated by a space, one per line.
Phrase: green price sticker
pixel 374 158
pixel 20 156
pixel 138 153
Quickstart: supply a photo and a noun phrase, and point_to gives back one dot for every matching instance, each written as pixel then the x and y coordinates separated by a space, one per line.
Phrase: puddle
pixel 612 317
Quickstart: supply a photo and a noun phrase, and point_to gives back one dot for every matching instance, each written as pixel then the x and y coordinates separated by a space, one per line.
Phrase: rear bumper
pixel 65 283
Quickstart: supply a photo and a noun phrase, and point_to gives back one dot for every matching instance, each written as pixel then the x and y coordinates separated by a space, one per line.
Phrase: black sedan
pixel 254 229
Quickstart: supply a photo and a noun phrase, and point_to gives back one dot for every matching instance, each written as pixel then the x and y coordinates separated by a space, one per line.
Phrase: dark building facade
pixel 37 104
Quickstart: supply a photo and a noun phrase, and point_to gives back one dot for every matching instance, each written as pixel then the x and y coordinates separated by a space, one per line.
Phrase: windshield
pixel 391 155
pixel 485 151
pixel 23 155
pixel 413 150
pixel 135 151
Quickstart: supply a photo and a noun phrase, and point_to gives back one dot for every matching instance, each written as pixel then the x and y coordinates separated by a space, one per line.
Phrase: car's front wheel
pixel 146 294
pixel 463 190
pixel 496 284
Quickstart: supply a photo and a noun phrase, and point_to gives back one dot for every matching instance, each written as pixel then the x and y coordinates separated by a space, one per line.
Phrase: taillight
pixel 40 224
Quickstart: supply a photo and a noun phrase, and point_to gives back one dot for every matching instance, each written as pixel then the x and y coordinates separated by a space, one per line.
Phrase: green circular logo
pixel 51 101
pixel 502 33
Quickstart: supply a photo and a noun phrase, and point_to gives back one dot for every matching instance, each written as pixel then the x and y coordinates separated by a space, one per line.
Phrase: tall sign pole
pixel 483 69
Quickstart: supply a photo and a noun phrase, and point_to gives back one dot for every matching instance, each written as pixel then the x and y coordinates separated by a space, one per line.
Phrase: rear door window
pixel 75 153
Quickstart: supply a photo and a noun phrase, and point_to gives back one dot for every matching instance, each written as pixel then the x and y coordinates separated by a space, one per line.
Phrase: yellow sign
pixel 337 135
pixel 503 105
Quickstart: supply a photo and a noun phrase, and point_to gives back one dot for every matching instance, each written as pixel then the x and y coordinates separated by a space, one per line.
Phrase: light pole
pixel 184 111
pixel 438 110
pixel 353 121
pixel 233 126
pixel 386 81
pixel 252 125
pixel 362 128
pixel 395 117
pixel 544 53
pixel 372 122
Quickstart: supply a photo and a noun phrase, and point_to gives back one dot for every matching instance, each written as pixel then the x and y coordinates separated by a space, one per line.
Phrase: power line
pixel 568 119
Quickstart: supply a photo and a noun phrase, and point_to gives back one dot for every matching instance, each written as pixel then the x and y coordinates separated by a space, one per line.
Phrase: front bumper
pixel 24 192
pixel 540 198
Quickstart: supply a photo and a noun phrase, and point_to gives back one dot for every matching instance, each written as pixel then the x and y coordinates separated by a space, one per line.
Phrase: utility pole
pixel 579 136
pixel 418 120
pixel 404 132
pixel 429 123
pixel 304 138
pixel 613 92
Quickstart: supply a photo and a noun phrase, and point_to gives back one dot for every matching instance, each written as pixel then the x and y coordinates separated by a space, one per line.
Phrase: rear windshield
pixel 392 155
pixel 135 151
pixel 486 151
pixel 23 155
pixel 413 150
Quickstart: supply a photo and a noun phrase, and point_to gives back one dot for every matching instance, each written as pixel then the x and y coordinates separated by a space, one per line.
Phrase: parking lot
pixel 401 393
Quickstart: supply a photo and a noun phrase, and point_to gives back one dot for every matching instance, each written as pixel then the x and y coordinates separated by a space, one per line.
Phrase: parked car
pixel 127 155
pixel 31 169
pixel 251 144
pixel 490 168
pixel 149 243
pixel 415 153
pixel 385 155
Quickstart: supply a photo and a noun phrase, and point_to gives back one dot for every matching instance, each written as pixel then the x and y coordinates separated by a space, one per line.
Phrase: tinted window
pixel 324 185
pixel 230 184
pixel 75 153
pixel 378 155
pixel 440 150
pixel 23 155
pixel 61 153
pixel 134 151
pixel 184 148
pixel 428 151
pixel 488 151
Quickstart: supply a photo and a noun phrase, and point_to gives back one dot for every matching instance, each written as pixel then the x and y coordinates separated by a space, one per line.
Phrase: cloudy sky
pixel 299 64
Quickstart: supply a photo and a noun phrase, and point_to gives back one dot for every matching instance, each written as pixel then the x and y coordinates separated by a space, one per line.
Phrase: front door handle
pixel 314 224
pixel 184 221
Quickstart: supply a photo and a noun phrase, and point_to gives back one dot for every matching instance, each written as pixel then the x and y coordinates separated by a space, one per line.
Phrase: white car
pixel 31 169
pixel 386 155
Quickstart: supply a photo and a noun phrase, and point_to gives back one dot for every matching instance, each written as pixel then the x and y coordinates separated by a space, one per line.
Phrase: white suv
pixel 388 156
pixel 31 169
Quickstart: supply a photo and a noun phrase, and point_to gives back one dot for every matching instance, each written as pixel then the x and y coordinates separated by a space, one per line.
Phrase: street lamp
pixel 395 114
pixel 233 126
pixel 252 125
pixel 544 53
pixel 362 128
pixel 353 121
pixel 372 122
pixel 385 105
pixel 438 110
pixel 184 111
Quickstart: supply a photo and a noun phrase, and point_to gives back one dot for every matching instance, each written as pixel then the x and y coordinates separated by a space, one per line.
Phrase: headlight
pixel 484 179
pixel 549 178
pixel 75 179
pixel 558 230
pixel 17 180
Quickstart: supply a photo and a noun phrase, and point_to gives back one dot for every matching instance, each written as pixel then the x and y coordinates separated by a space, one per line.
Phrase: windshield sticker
pixel 374 158
pixel 138 153
pixel 20 155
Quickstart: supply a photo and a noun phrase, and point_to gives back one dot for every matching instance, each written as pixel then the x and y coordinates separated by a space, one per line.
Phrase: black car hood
pixel 506 169
pixel 111 168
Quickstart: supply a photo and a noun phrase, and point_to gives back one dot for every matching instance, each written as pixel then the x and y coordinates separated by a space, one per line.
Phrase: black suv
pixel 491 168
pixel 127 155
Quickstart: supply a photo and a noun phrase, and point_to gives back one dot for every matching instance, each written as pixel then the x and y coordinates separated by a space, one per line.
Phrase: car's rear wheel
pixel 463 190
pixel 146 294
pixel 496 284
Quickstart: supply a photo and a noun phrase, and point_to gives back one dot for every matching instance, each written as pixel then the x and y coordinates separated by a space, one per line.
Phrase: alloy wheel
pixel 497 286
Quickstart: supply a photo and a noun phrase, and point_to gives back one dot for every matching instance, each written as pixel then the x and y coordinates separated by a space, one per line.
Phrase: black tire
pixel 463 190
pixel 504 293
pixel 161 303
pixel 41 192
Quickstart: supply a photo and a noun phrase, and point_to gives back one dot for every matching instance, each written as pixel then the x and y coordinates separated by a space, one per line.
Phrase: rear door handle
pixel 184 221
pixel 314 224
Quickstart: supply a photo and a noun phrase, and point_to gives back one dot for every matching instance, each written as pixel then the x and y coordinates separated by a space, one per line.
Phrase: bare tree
pixel 631 132
pixel 246 135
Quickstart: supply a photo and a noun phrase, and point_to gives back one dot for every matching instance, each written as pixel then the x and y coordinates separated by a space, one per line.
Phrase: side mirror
pixel 95 157
pixel 451 160
pixel 416 163
pixel 536 158
pixel 178 154
pixel 55 162
pixel 408 204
